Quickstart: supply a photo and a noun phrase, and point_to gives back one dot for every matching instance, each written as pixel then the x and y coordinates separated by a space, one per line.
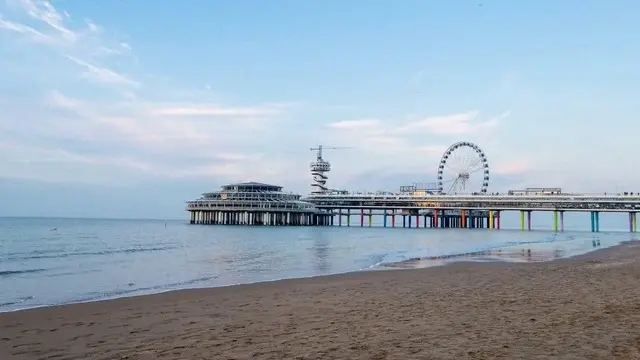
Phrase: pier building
pixel 253 203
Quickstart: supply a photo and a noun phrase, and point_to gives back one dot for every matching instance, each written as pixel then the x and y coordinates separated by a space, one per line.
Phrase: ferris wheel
pixel 463 169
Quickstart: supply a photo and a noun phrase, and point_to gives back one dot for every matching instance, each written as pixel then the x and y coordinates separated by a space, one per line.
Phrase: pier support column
pixel 490 222
pixel 339 217
pixel 561 220
pixel 522 220
pixel 393 218
pixel 632 222
pixel 409 221
pixel 384 218
pixel 555 221
pixel 435 218
pixel 361 217
pixel 463 219
pixel 595 221
pixel 348 217
pixel 529 220
pixel 404 220
pixel 370 217
pixel 498 214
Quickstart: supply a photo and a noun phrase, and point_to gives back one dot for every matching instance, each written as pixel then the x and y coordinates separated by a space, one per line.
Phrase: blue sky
pixel 104 99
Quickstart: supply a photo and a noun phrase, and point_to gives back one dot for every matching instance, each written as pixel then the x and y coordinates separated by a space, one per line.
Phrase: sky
pixel 122 109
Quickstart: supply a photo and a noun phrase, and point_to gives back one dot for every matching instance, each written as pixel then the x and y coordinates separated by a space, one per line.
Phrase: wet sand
pixel 586 307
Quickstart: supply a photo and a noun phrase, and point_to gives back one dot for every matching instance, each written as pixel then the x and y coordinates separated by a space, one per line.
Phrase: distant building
pixel 536 191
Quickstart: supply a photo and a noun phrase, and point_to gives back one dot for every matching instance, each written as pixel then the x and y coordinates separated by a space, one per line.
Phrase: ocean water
pixel 87 259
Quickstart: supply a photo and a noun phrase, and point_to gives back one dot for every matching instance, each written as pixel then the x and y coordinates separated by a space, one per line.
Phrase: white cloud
pixel 213 110
pixel 361 124
pixel 454 124
pixel 52 28
pixel 102 74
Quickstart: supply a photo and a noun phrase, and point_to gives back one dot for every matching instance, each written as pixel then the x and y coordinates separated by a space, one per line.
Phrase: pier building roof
pixel 251 186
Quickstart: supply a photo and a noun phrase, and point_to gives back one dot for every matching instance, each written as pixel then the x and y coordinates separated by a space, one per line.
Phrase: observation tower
pixel 319 170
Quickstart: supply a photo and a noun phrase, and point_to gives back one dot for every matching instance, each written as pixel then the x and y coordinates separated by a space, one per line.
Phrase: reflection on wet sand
pixel 510 253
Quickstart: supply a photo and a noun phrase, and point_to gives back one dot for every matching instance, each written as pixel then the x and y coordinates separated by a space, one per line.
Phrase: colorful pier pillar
pixel 595 221
pixel 463 218
pixel 384 221
pixel 555 221
pixel 417 220
pixel 522 220
pixel 490 225
pixel 409 221
pixel 370 217
pixel 361 217
pixel 632 222
pixel 349 217
pixel 561 220
pixel 498 220
pixel 393 218
pixel 529 220
pixel 339 217
pixel 435 218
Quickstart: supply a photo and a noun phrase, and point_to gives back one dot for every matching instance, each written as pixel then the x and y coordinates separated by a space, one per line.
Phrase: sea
pixel 52 261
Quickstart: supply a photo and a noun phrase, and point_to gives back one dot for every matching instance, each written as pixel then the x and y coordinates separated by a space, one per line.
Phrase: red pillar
pixel 417 221
pixel 498 220
pixel 435 218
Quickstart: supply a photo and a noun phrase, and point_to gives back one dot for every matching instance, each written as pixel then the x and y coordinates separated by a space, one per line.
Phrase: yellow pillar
pixel 522 220
pixel 490 219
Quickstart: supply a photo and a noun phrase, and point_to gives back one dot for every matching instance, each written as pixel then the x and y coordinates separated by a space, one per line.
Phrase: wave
pixel 49 255
pixel 7 273
pixel 16 302
pixel 93 296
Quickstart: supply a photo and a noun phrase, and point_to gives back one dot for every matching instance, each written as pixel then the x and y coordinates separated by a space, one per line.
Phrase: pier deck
pixel 473 211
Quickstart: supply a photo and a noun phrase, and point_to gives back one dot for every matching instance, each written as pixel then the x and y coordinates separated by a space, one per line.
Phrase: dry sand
pixel 582 308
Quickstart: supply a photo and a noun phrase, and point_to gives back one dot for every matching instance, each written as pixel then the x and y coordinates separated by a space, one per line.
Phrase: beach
pixel 586 307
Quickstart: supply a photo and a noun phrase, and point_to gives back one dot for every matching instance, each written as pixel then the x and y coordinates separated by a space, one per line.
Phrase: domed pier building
pixel 253 203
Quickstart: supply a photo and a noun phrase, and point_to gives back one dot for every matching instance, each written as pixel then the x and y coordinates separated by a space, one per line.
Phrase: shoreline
pixel 578 307
pixel 408 264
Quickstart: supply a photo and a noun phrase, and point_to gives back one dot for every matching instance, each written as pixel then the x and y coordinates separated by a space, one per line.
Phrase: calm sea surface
pixel 86 259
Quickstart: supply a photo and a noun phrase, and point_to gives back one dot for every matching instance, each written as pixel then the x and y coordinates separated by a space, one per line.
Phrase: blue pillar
pixel 593 221
pixel 384 222
pixel 597 221
pixel 410 220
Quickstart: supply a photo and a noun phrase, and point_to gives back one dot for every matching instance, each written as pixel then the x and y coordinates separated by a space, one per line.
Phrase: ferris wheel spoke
pixel 477 165
pixel 453 186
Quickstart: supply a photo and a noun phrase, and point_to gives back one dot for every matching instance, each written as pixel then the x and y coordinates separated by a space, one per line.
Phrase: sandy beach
pixel 586 307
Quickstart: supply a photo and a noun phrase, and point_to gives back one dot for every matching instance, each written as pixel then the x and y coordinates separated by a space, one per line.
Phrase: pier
pixel 459 198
